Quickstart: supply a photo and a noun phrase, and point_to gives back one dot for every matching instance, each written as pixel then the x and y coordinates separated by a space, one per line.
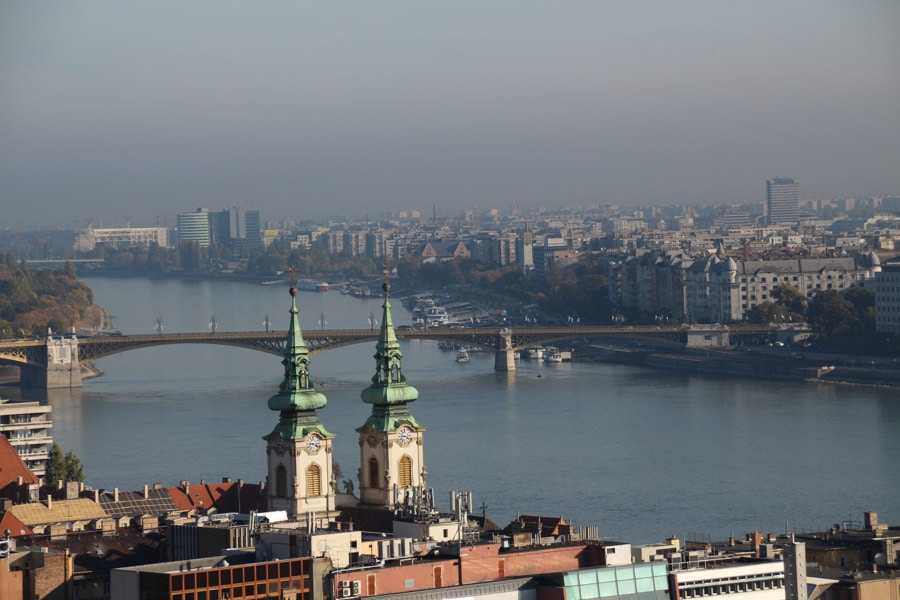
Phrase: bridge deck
pixel 89 348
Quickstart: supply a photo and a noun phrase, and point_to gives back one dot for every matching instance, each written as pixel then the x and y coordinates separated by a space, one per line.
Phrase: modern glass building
pixel 194 227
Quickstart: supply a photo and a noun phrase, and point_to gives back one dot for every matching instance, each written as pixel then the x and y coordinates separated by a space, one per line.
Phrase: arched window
pixel 313 481
pixel 281 483
pixel 374 480
pixel 404 471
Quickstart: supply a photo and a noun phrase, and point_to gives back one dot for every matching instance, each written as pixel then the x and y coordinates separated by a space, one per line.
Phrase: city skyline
pixel 127 113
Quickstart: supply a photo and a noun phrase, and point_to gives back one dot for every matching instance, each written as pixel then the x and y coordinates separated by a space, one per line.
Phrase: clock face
pixel 312 443
pixel 405 436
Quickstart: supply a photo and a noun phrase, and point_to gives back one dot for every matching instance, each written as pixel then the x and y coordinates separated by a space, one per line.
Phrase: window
pixel 373 472
pixel 281 481
pixel 404 471
pixel 313 481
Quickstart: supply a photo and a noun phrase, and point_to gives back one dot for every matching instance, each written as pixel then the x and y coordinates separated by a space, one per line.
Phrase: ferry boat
pixel 462 356
pixel 322 286
pixel 552 355
pixel 535 353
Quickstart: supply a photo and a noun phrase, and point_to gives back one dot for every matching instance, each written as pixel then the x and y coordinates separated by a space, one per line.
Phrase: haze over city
pixel 112 111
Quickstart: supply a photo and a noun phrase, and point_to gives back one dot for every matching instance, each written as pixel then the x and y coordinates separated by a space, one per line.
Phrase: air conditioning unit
pixel 346 593
pixel 355 588
pixel 344 584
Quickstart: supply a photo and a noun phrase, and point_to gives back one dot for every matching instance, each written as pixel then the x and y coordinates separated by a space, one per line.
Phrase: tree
pixel 791 298
pixel 63 467
pixel 74 469
pixel 56 465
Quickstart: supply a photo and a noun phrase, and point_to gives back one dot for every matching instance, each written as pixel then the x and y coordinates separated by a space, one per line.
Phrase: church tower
pixel 391 440
pixel 299 449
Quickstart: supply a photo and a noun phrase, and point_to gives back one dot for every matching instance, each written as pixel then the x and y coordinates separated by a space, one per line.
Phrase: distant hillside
pixel 33 300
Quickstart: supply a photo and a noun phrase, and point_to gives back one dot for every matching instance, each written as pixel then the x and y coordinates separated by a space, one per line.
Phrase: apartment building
pixel 27 427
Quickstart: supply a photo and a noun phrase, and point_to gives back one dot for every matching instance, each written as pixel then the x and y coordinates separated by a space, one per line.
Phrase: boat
pixel 535 352
pixel 552 355
pixel 322 286
pixel 462 356
pixel 436 316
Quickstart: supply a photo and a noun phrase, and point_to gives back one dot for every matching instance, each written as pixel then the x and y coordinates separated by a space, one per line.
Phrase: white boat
pixel 436 316
pixel 535 353
pixel 462 356
pixel 552 355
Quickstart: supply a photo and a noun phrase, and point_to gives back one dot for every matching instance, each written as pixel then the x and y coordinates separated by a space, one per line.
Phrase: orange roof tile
pixel 12 467
pixel 16 527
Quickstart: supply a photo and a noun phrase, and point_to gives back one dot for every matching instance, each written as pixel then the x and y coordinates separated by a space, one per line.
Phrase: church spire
pixel 391 443
pixel 297 395
pixel 301 479
pixel 389 385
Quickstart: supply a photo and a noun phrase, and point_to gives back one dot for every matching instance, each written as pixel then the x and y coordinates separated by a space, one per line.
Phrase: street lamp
pixel 213 323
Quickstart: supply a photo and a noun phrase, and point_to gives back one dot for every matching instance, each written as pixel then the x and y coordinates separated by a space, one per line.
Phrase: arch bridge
pixel 56 362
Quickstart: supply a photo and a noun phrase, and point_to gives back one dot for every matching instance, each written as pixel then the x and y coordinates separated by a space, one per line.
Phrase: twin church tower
pixel 301 477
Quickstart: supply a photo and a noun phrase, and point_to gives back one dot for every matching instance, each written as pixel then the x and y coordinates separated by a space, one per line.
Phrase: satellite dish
pixel 881 559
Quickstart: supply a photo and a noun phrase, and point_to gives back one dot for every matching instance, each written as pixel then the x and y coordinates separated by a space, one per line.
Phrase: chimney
pixel 871 520
pixel 97 496
pixel 60 483
pixel 240 483
pixel 146 491
pixel 19 480
pixel 115 494
pixel 226 480
pixel 49 501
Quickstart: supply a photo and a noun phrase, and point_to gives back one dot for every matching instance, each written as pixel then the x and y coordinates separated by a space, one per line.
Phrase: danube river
pixel 642 454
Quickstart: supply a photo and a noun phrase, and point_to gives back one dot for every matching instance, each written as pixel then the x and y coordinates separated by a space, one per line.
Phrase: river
pixel 642 454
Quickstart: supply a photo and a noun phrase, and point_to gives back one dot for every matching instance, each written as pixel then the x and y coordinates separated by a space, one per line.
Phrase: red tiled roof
pixel 16 527
pixel 11 468
pixel 224 497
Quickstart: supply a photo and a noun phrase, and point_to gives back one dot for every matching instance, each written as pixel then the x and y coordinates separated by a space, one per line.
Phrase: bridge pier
pixel 63 369
pixel 504 357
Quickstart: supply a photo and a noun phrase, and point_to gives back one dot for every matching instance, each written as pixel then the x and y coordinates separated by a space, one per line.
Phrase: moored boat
pixel 552 355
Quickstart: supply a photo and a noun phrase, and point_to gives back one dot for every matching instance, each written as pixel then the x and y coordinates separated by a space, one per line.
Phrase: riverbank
pixel 731 362
pixel 95 319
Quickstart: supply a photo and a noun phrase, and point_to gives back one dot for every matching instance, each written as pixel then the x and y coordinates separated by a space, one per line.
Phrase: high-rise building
pixel 236 229
pixel 194 227
pixel 782 200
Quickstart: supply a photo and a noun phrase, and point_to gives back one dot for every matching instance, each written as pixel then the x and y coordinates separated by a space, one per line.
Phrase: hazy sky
pixel 145 109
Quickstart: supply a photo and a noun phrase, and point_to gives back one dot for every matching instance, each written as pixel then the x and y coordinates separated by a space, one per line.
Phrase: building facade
pixel 887 298
pixel 195 227
pixel 782 200
pixel 27 427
